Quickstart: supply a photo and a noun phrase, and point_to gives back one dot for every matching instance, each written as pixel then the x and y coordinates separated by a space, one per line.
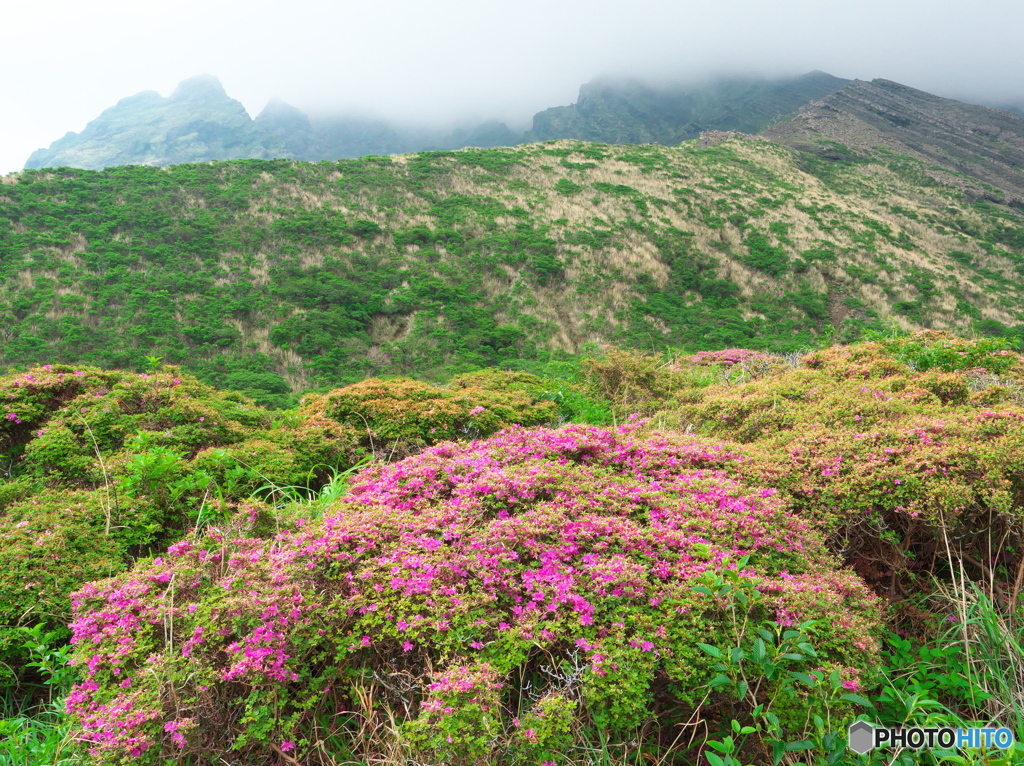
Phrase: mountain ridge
pixel 630 112
pixel 965 140
pixel 147 129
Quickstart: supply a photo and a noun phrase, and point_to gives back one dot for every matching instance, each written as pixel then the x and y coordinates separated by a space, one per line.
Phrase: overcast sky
pixel 65 62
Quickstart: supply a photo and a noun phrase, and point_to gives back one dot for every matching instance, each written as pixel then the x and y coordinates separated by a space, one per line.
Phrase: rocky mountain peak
pixel 201 87
pixel 198 122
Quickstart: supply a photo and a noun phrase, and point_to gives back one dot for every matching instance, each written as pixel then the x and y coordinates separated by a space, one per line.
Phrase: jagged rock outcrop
pixel 632 112
pixel 974 148
pixel 197 123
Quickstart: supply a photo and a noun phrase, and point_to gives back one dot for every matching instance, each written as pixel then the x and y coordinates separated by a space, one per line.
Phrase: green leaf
pixel 722 747
pixel 760 651
pixel 950 756
pixel 856 699
pixel 807 678
pixel 803 744
pixel 714 651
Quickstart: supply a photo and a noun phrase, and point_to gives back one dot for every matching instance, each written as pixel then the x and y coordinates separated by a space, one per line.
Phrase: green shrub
pixel 771 259
pixel 567 188
pixel 631 383
pixel 399 416
pixel 52 544
pixel 897 459
pixel 110 466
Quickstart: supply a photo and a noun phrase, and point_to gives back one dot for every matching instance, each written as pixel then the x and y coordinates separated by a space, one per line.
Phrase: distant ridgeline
pixel 276 275
pixel 199 122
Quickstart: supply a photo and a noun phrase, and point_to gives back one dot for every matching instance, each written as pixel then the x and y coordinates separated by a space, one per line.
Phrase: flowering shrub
pixel 515 597
pixel 730 357
pixel 890 459
pixel 400 416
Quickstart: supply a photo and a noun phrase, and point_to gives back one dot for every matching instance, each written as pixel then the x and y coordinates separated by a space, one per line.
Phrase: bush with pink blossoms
pixel 729 357
pixel 520 598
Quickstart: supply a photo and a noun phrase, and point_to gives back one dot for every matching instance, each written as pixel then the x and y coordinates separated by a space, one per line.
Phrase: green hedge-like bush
pixel 400 416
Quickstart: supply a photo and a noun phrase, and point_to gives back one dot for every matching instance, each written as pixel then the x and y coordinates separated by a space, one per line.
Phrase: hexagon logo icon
pixel 861 737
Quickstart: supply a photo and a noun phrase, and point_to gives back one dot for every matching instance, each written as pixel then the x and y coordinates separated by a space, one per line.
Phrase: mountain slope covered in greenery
pixel 278 275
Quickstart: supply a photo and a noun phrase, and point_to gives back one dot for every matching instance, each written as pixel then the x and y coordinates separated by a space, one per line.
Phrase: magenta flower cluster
pixel 456 565
pixel 731 357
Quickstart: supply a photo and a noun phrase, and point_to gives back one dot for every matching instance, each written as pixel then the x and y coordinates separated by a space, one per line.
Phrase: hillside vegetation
pixel 274 276
pixel 783 544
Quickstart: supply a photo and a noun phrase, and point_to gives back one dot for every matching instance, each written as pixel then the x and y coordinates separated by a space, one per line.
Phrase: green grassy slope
pixel 278 275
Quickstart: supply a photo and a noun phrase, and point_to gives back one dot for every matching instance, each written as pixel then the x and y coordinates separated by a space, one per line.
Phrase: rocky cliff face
pixel 1017 109
pixel 631 112
pixel 197 123
pixel 975 148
